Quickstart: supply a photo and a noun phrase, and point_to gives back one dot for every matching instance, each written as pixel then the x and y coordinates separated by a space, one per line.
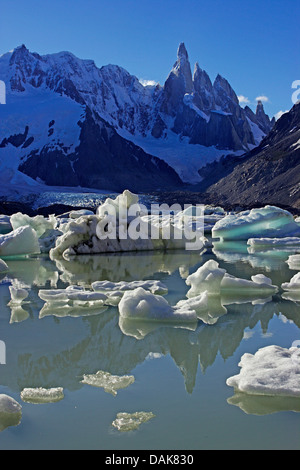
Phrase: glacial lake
pixel 180 373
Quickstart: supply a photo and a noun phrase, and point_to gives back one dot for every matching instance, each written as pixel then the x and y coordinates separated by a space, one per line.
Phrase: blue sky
pixel 254 44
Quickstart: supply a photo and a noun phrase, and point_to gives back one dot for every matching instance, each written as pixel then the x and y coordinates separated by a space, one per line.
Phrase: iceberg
pixel 21 241
pixel 39 223
pixel 266 222
pixel 216 281
pixel 272 370
pixel 294 262
pixel 42 395
pixel 10 412
pixel 123 225
pixel 46 229
pixel 9 404
pixel 293 284
pixel 110 383
pixel 3 266
pixel 143 305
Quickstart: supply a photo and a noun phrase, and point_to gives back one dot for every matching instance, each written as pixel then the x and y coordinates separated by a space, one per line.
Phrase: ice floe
pixel 42 395
pixel 272 370
pixel 125 422
pixel 110 383
pixel 266 222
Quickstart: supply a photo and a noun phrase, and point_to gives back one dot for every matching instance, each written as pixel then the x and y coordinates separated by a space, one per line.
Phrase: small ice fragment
pixel 110 383
pixel 131 421
pixel 42 395
pixel 17 295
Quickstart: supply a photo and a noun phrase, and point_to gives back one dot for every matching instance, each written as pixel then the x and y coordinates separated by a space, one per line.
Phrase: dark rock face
pixel 269 174
pixel 113 163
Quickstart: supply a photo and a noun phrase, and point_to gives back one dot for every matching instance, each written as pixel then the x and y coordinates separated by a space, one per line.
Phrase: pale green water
pixel 180 374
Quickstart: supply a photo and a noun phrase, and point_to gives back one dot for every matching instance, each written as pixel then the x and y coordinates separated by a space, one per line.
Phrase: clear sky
pixel 254 44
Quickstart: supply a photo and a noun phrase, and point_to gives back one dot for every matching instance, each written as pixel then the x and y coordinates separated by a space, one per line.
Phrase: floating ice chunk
pixel 42 395
pixel 274 242
pixel 21 241
pixel 131 421
pixel 9 404
pixel 293 285
pixel 10 412
pixel 141 304
pixel 207 278
pixel 294 262
pixel 267 222
pixel 272 370
pixel 39 223
pixel 110 383
pixel 216 281
pixel 3 266
pixel 17 295
pixel 154 286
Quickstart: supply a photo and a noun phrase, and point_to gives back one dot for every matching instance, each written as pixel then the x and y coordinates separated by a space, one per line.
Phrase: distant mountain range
pixel 68 122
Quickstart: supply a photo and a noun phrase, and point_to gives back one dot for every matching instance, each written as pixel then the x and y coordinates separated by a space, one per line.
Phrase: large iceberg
pixel 266 222
pixel 272 370
pixel 123 224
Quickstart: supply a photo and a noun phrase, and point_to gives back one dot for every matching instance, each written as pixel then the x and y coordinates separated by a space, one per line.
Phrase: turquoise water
pixel 180 374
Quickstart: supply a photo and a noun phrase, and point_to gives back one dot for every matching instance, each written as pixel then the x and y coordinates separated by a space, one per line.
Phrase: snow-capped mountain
pixel 68 122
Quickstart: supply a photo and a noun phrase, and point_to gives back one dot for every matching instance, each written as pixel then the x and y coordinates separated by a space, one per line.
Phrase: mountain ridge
pixel 179 127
